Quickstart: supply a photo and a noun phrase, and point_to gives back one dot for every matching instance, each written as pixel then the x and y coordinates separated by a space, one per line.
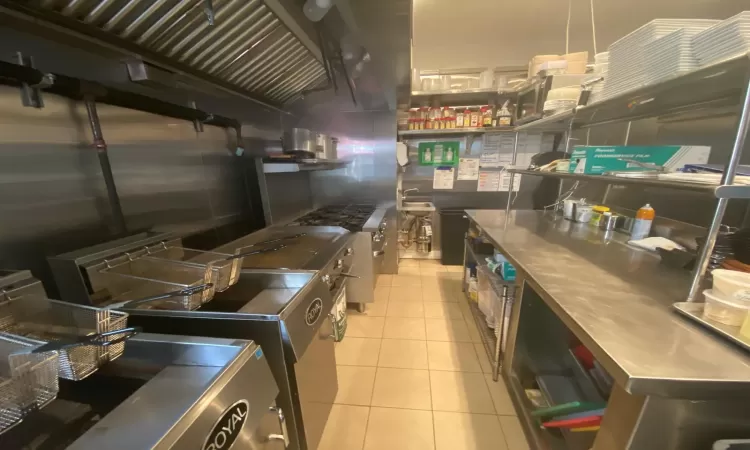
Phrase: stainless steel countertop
pixel 617 300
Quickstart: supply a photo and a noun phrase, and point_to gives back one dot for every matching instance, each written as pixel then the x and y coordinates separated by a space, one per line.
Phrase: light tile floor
pixel 413 373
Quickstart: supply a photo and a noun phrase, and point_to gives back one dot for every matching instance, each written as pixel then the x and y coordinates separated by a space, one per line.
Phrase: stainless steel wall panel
pixel 52 193
pixel 368 140
pixel 289 196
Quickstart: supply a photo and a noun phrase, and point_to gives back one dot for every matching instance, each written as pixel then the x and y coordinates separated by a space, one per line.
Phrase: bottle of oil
pixel 644 218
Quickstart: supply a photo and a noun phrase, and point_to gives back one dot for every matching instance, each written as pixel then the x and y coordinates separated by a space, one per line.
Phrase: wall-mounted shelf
pixel 453 132
pixel 454 97
pixel 303 165
pixel 732 191
pixel 716 85
pixel 554 123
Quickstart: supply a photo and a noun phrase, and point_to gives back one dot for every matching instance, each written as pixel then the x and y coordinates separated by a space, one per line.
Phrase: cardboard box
pixel 596 160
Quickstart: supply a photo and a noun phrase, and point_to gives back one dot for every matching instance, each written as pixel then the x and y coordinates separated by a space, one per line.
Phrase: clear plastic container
pixel 732 284
pixel 723 310
pixel 745 330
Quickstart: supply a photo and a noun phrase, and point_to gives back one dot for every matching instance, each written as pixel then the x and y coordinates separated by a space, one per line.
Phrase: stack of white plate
pixel 726 39
pixel 671 55
pixel 627 67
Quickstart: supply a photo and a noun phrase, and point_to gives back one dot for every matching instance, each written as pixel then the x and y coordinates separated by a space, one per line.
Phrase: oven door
pixel 317 383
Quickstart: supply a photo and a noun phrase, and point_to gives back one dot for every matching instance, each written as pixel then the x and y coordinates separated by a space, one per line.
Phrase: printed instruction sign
pixel 443 178
pixel 505 182
pixel 488 181
pixel 438 153
pixel 468 168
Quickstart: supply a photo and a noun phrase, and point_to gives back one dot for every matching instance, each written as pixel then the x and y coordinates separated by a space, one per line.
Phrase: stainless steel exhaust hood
pixel 250 46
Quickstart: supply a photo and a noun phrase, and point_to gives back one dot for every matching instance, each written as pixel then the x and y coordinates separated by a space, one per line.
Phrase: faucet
pixel 403 193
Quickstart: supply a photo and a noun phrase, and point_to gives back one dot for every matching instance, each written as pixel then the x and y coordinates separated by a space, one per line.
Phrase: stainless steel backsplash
pixel 52 193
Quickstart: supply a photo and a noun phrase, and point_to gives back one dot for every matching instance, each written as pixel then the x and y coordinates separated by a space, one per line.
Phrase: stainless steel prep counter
pixel 616 300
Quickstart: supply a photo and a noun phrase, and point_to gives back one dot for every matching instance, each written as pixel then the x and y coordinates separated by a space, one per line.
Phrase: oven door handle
pixel 348 275
pixel 284 436
pixel 378 253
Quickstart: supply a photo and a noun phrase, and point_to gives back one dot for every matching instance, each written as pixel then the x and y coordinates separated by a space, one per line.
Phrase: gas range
pixel 368 223
pixel 351 217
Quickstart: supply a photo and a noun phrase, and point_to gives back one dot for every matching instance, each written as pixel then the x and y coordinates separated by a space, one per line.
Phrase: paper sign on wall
pixel 443 178
pixel 468 168
pixel 505 182
pixel 488 181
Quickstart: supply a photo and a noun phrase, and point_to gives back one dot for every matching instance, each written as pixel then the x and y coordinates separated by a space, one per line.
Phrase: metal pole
pixel 101 149
pixel 721 206
pixel 497 363
pixel 627 134
pixel 510 186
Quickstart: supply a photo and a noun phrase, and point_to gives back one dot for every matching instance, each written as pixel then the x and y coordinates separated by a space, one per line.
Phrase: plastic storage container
pixel 723 310
pixel 745 330
pixel 732 284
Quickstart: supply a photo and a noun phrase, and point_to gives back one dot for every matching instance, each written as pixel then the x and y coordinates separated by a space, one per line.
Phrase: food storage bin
pixel 724 310
pixel 731 284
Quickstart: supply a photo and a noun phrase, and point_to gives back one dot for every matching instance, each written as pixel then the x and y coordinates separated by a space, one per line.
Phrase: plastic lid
pixel 646 206
pixel 601 209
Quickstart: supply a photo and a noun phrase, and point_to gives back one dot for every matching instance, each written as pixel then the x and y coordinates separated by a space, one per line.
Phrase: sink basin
pixel 408 205
pixel 419 209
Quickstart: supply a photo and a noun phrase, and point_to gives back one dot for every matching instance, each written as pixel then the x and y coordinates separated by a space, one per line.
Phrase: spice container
pixel 486 116
pixel 596 214
pixel 582 213
pixel 435 115
pixel 609 221
pixel 503 118
pixel 475 119
pixel 460 119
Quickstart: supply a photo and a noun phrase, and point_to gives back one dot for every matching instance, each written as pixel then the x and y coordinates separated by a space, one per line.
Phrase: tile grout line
pixel 372 392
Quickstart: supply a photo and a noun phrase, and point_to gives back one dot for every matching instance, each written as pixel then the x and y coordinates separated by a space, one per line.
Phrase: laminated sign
pixel 438 153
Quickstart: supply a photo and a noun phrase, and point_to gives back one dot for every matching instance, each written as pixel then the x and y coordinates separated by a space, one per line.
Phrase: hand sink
pixel 418 208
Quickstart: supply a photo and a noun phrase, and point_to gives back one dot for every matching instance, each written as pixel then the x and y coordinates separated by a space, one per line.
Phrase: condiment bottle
pixel 460 119
pixel 475 119
pixel 644 218
pixel 596 214
pixel 486 116
pixel 503 118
